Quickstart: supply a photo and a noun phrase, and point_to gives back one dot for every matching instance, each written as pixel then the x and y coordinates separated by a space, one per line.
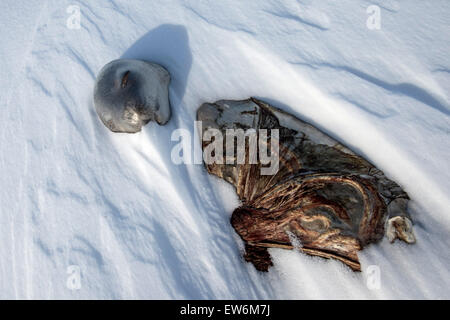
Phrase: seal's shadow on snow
pixel 167 45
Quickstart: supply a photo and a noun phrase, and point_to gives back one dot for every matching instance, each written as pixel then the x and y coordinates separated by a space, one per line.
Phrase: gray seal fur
pixel 130 93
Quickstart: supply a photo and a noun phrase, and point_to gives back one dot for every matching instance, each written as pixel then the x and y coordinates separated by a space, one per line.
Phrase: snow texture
pixel 137 225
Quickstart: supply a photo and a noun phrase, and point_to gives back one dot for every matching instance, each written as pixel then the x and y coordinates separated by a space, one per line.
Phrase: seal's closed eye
pixel 124 82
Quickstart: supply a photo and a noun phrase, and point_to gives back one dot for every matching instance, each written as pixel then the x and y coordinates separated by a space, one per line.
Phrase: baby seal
pixel 130 93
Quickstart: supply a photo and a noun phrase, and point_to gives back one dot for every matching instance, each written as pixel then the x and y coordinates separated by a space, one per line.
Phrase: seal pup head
pixel 130 93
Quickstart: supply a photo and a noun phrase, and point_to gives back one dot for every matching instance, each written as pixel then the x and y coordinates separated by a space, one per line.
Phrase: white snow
pixel 138 226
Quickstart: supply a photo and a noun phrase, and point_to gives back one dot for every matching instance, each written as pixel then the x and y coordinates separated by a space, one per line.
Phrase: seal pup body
pixel 130 93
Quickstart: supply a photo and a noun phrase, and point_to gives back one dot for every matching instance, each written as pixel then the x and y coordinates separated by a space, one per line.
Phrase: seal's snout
pixel 130 93
pixel 131 116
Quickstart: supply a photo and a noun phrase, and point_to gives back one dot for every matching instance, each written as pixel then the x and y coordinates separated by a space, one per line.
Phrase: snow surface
pixel 139 226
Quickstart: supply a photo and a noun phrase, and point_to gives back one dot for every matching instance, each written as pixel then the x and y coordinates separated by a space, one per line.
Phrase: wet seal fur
pixel 325 200
pixel 130 93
